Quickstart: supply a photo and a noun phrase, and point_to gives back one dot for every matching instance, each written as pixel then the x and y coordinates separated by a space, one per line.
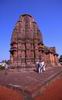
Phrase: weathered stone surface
pixel 27 45
pixel 29 83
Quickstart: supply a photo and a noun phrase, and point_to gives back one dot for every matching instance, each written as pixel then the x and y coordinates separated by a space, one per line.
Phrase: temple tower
pixel 27 45
pixel 25 38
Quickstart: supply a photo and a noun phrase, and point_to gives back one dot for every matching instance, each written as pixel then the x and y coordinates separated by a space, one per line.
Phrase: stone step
pixel 30 83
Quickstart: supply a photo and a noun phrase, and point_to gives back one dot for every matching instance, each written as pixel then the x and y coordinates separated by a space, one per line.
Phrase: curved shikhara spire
pixel 26 28
pixel 25 38
pixel 27 45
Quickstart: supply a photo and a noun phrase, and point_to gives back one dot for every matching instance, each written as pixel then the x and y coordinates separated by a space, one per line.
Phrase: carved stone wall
pixel 27 44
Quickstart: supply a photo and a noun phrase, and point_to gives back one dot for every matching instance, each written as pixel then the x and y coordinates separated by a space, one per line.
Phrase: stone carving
pixel 27 45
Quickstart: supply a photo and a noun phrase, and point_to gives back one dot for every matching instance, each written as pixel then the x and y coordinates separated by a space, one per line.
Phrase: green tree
pixel 60 59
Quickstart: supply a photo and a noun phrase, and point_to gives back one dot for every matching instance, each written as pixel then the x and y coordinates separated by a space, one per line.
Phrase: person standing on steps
pixel 6 68
pixel 42 64
pixel 38 67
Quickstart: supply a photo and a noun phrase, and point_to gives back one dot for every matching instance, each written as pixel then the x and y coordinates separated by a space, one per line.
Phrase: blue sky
pixel 47 13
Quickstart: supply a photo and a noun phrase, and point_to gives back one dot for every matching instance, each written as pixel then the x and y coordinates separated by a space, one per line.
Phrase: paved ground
pixel 29 82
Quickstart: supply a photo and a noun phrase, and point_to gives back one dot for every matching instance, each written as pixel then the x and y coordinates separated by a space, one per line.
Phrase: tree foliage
pixel 2 67
pixel 60 59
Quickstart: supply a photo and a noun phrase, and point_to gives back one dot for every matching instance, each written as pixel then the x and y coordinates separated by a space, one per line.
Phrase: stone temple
pixel 27 45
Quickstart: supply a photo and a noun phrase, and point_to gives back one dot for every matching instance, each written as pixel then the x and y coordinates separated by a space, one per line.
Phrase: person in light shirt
pixel 37 66
pixel 42 64
pixel 6 68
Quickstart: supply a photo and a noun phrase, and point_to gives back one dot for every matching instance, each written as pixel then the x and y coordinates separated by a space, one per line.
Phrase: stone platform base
pixel 29 83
